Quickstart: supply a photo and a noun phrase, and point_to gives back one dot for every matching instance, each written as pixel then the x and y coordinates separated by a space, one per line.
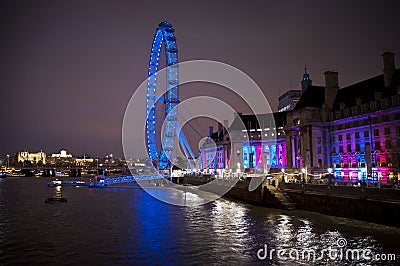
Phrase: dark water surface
pixel 127 226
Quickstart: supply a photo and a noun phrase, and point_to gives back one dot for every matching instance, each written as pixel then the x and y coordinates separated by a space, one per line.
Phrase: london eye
pixel 164 35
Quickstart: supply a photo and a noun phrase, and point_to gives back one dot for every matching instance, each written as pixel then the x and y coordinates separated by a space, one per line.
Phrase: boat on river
pixel 55 199
pixel 72 183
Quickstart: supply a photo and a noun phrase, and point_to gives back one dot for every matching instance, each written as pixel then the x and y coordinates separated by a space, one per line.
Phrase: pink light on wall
pixel 259 156
pixel 354 175
pixel 220 157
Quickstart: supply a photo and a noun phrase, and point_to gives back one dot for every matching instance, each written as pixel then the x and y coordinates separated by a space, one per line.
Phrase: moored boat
pixel 55 199
pixel 72 183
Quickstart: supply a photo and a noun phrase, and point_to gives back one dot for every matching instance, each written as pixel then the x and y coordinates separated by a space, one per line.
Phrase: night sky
pixel 68 68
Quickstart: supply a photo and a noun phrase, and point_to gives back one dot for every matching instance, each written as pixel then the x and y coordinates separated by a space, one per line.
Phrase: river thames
pixel 127 226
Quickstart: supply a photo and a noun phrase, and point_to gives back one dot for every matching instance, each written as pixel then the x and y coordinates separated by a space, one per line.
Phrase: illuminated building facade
pixel 353 131
pixel 364 127
pixel 34 158
pixel 84 160
pixel 60 158
pixel 251 155
pixel 215 150
pixel 304 131
pixel 62 154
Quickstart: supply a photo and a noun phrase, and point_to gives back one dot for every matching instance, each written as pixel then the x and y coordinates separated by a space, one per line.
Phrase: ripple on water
pixel 105 227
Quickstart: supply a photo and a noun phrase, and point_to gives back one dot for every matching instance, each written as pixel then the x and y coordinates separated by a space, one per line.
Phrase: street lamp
pixel 283 175
pixel 304 171
pixel 8 161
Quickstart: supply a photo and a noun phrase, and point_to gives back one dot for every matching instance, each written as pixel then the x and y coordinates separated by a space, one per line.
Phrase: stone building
pixel 363 128
pixel 31 157
pixel 353 131
pixel 251 144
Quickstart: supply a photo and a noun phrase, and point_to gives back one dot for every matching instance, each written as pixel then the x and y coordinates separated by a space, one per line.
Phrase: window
pixel 319 150
pixel 348 136
pixel 348 147
pixel 332 138
pixel 366 134
pixel 354 110
pixel 385 118
pixel 319 140
pixel 357 146
pixel 341 149
pixel 387 131
pixel 340 137
pixel 388 144
pixel 364 108
pixel 357 135
pixel 377 146
pixel 376 132
pixel 372 106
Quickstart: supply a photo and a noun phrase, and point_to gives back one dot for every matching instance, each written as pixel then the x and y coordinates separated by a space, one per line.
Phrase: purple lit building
pixel 260 145
pixel 364 127
pixel 352 131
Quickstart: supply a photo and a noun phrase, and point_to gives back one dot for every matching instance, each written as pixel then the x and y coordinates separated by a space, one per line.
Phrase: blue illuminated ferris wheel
pixel 164 34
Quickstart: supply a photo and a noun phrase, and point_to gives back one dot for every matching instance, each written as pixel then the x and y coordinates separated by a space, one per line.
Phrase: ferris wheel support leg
pixel 183 140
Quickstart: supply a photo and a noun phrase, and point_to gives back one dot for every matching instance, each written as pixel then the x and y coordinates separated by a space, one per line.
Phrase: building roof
pixel 250 121
pixel 291 93
pixel 365 90
pixel 314 96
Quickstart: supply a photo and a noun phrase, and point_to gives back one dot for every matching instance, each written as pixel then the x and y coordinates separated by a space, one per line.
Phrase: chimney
pixel 210 131
pixel 331 89
pixel 388 67
pixel 331 79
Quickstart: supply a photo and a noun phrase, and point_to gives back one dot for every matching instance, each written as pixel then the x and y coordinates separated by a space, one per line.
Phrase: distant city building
pixel 84 160
pixel 62 154
pixel 60 158
pixel 288 100
pixel 353 131
pixel 34 158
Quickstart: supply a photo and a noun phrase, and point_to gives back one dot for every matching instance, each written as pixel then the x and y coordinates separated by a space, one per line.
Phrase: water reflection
pixel 230 224
pixel 4 231
pixel 297 236
pixel 58 192
pixel 128 226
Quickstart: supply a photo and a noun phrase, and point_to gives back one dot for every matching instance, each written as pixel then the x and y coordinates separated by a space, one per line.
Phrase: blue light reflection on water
pixel 154 233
